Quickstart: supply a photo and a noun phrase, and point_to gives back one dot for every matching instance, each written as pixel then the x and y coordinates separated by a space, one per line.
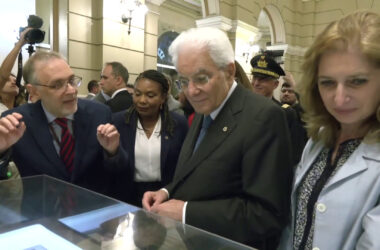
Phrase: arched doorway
pixel 272 29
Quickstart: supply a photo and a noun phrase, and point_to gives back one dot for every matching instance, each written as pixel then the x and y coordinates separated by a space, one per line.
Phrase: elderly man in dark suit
pixel 60 135
pixel 234 171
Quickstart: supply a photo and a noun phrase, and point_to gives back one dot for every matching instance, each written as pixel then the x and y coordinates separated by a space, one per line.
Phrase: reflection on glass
pixel 139 230
pixel 92 221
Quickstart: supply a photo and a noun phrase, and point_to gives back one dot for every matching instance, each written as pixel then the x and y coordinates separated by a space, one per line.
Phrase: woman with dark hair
pixel 151 135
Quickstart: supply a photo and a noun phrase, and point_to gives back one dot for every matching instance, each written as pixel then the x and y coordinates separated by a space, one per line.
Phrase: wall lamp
pixel 129 7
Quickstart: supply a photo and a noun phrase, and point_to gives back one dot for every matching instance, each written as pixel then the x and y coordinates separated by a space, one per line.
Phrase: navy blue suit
pixel 170 149
pixel 34 153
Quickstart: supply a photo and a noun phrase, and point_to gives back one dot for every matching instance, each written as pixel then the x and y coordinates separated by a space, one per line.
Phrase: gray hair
pixel 214 40
pixel 29 70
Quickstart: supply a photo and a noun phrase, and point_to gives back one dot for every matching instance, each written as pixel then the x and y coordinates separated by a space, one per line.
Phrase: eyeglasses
pixel 61 85
pixel 198 81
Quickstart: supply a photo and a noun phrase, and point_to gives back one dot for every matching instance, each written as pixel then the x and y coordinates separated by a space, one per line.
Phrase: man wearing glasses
pixel 59 135
pixel 233 176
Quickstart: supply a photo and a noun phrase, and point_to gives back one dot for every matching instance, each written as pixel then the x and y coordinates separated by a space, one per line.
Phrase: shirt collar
pixel 215 113
pixel 106 97
pixel 118 91
pixel 50 117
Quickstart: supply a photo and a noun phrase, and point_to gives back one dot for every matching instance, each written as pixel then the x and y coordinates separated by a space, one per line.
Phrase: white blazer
pixel 348 207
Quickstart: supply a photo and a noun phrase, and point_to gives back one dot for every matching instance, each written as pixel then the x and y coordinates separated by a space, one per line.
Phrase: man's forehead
pixel 197 72
pixel 54 69
pixel 107 68
pixel 287 88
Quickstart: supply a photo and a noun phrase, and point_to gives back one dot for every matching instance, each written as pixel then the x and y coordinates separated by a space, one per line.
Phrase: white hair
pixel 214 40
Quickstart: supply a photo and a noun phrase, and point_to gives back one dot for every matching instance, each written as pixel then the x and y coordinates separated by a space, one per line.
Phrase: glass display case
pixel 40 212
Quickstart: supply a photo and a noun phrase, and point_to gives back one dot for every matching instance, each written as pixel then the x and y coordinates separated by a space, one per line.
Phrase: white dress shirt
pixel 148 154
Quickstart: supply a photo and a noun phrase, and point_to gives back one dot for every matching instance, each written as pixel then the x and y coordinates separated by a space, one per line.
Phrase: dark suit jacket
pixel 100 98
pixel 298 135
pixel 34 153
pixel 238 182
pixel 121 101
pixel 170 149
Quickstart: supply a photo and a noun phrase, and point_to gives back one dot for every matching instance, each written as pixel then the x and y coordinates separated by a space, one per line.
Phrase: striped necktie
pixel 66 151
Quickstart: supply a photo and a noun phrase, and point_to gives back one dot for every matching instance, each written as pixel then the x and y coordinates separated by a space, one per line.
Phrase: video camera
pixel 34 35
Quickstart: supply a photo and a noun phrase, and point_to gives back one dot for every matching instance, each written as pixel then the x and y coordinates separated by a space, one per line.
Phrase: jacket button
pixel 321 207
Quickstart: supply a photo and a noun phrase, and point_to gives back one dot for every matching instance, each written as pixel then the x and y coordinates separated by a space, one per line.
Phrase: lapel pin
pixel 166 137
pixel 225 129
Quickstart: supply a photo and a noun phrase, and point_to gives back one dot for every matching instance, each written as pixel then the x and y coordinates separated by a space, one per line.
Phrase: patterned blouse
pixel 311 186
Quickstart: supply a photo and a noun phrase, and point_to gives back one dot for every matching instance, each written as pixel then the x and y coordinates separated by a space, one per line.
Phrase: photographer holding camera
pixel 12 93
pixel 9 61
pixel 5 76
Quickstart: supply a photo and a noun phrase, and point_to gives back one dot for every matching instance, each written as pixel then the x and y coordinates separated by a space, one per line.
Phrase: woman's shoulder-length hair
pixel 360 30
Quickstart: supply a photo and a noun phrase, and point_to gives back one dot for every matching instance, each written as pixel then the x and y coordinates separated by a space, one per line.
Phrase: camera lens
pixel 35 36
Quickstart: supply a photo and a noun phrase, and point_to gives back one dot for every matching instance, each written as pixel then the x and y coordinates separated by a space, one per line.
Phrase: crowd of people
pixel 302 172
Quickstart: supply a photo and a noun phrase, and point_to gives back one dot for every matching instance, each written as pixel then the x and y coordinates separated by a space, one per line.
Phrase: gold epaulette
pixel 285 106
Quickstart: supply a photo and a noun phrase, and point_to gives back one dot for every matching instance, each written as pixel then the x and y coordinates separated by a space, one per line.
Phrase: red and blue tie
pixel 66 151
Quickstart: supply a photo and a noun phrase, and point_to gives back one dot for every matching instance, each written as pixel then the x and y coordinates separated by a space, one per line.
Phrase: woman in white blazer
pixel 336 191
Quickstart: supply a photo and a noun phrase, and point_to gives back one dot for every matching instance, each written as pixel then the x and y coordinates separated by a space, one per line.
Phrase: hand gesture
pixel 108 137
pixel 11 130
pixel 151 199
pixel 289 79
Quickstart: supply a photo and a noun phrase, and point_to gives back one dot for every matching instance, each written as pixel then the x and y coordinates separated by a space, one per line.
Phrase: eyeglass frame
pixel 64 85
pixel 184 82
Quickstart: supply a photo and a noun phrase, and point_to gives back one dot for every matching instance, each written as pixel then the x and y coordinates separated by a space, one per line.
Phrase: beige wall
pixel 84 45
pixel 96 35
pixel 176 18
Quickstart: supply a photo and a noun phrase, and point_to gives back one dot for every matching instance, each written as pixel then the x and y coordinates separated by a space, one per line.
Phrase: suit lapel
pixel 165 145
pixel 306 163
pixel 130 131
pixel 43 138
pixel 218 131
pixel 223 125
pixel 81 132
pixel 191 138
pixel 357 162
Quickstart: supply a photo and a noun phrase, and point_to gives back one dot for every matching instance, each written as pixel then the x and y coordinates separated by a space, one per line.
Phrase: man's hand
pixel 22 40
pixel 289 79
pixel 11 130
pixel 151 199
pixel 108 137
pixel 172 209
